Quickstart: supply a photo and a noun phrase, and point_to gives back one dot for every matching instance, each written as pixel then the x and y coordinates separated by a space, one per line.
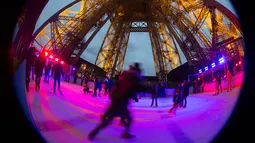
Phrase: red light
pixel 62 62
pixel 51 56
pixel 240 62
pixel 56 59
pixel 46 53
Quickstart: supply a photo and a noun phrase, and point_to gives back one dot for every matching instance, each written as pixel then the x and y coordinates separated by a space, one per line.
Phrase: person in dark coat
pixel 47 72
pixel 98 86
pixel 39 65
pixel 110 85
pixel 185 93
pixel 106 85
pixel 58 71
pixel 177 99
pixel 154 94
pixel 128 85
pixel 30 60
pixel 218 84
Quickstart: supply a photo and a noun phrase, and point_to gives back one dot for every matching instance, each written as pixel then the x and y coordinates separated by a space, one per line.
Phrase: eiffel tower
pixel 193 26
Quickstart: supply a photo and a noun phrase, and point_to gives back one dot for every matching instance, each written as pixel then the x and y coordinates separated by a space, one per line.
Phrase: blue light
pixel 213 65
pixel 206 68
pixel 200 71
pixel 221 60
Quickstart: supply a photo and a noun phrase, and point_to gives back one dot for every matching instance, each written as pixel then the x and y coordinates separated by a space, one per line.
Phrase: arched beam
pixel 232 17
pixel 24 34
pixel 54 17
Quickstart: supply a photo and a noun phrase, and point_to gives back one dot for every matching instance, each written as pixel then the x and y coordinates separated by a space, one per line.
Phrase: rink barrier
pixel 209 87
pixel 237 81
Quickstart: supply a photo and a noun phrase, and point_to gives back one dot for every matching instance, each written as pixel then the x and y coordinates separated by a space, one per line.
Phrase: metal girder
pixel 193 27
pixel 214 28
pixel 168 48
pixel 81 47
pixel 113 49
pixel 165 53
pixel 139 27
pixel 193 48
pixel 195 6
pixel 91 16
pixel 169 22
pixel 159 64
pixel 67 32
pixel 200 19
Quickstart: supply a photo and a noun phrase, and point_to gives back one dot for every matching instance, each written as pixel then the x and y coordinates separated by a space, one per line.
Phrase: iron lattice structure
pixel 194 26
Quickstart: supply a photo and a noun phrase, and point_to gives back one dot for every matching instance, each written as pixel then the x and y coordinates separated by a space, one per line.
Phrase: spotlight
pixel 206 68
pixel 51 56
pixel 73 68
pixel 46 53
pixel 56 59
pixel 213 65
pixel 62 62
pixel 200 71
pixel 221 60
pixel 240 62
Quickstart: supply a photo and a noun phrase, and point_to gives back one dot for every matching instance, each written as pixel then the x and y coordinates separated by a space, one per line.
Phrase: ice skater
pixel 177 99
pixel 154 95
pixel 39 66
pixel 58 71
pixel 218 84
pixel 86 89
pixel 229 80
pixel 185 93
pixel 128 85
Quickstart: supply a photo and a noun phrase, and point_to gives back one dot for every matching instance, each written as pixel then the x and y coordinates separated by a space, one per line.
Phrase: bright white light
pixel 200 71
pixel 213 65
pixel 221 60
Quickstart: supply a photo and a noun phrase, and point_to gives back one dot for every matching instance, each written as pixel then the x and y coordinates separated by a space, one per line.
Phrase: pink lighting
pixel 46 53
pixel 56 59
pixel 51 56
pixel 62 62
pixel 237 81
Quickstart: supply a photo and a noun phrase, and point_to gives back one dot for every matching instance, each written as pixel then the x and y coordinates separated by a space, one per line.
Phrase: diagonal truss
pixel 197 27
pixel 168 48
pixel 159 63
pixel 113 49
pixel 64 33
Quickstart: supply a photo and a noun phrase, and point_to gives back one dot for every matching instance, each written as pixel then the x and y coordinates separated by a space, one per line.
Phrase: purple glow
pixel 200 71
pixel 73 68
pixel 73 106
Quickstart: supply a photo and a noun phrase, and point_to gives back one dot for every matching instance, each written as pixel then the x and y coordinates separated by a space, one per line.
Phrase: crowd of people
pixel 35 65
pixel 128 86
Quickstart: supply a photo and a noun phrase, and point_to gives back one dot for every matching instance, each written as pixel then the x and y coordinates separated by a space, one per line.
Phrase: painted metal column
pixel 33 10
